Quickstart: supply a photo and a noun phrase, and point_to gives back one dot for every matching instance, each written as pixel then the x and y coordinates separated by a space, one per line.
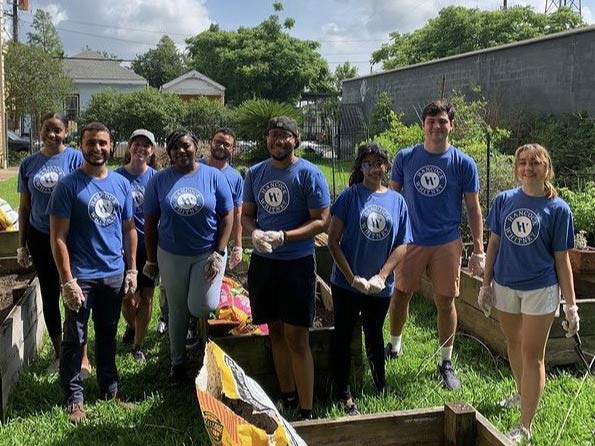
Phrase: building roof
pixel 175 85
pixel 90 66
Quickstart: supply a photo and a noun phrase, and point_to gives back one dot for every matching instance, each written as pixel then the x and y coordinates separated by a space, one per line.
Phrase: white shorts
pixel 533 302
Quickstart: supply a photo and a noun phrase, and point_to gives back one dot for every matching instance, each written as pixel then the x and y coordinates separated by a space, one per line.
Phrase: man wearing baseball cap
pixel 286 203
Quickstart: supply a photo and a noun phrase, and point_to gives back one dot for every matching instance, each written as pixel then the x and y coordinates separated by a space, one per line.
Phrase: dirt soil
pixel 8 298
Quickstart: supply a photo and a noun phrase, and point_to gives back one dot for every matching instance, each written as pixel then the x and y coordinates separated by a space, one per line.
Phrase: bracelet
pixel 284 236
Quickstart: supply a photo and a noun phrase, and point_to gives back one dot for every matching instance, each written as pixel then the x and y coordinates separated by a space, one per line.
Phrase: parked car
pixel 17 143
pixel 319 149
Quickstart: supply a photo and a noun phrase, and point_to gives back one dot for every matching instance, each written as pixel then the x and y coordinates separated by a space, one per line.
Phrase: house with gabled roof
pixel 91 72
pixel 193 85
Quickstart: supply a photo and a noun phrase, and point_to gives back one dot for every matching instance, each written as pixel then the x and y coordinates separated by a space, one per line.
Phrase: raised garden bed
pixel 21 325
pixel 455 424
pixel 559 348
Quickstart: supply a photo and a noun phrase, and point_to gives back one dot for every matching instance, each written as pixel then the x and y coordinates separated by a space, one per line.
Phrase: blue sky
pixel 346 29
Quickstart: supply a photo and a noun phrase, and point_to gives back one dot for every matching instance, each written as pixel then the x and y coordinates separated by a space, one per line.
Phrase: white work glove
pixel 376 284
pixel 477 263
pixel 572 323
pixel 23 257
pixel 260 241
pixel 213 266
pixel 130 281
pixel 73 295
pixel 236 257
pixel 275 238
pixel 151 270
pixel 361 284
pixel 485 299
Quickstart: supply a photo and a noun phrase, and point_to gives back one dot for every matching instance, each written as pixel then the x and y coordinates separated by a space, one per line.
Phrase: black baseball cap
pixel 283 123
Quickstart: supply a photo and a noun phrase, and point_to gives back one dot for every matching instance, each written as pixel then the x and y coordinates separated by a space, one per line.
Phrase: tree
pixel 342 72
pixel 458 30
pixel 161 64
pixel 44 34
pixel 260 62
pixel 36 83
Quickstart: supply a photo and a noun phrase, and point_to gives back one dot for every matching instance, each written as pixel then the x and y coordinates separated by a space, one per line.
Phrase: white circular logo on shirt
pixel 374 222
pixel 521 227
pixel 430 181
pixel 274 197
pixel 187 201
pixel 47 177
pixel 138 197
pixel 103 208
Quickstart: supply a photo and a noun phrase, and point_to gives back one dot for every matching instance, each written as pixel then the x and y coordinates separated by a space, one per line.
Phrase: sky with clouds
pixel 346 29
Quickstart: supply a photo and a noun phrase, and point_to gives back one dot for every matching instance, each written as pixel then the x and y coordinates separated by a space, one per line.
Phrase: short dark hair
pixel 372 148
pixel 226 131
pixel 436 107
pixel 94 127
pixel 59 116
pixel 172 138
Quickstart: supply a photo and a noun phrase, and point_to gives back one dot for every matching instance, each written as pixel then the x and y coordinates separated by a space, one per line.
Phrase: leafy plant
pixel 204 117
pixel 582 204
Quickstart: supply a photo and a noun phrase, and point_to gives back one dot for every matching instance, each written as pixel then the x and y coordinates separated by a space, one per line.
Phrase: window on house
pixel 72 107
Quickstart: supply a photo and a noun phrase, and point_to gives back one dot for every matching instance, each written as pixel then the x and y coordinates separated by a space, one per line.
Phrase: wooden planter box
pixel 253 353
pixel 582 260
pixel 21 335
pixel 9 241
pixel 559 348
pixel 455 424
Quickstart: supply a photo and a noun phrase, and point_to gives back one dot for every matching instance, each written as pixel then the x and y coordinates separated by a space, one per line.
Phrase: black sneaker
pixel 178 376
pixel 192 339
pixel 349 407
pixel 390 354
pixel 139 355
pixel 450 381
pixel 128 337
pixel 287 401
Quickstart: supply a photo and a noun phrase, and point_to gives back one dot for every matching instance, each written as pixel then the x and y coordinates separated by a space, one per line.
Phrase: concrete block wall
pixel 549 75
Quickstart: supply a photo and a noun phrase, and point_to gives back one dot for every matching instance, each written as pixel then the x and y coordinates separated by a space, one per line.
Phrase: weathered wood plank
pixel 459 424
pixel 9 241
pixel 488 435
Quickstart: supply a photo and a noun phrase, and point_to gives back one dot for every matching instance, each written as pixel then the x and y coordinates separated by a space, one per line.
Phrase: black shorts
pixel 282 290
pixel 142 281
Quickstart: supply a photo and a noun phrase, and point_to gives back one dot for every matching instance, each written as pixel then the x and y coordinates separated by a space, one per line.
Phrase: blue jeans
pixel 104 298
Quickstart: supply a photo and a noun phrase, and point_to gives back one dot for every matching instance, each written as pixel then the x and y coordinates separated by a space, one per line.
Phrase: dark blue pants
pixel 348 305
pixel 103 299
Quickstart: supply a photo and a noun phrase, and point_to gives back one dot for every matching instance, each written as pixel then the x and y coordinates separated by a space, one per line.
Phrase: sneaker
pixel 119 399
pixel 85 372
pixel 306 414
pixel 510 402
pixel 349 407
pixel 287 401
pixel 162 327
pixel 128 337
pixel 519 434
pixel 178 376
pixel 192 339
pixel 76 412
pixel 390 354
pixel 138 354
pixel 450 381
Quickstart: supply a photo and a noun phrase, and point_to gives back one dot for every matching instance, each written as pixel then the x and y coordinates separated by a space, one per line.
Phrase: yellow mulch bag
pixel 235 409
pixel 9 218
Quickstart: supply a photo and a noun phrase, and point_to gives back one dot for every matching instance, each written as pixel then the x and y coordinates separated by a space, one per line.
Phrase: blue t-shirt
pixel 234 179
pixel 188 206
pixel 283 198
pixel 374 224
pixel 138 184
pixel 531 230
pixel 433 186
pixel 96 207
pixel 38 175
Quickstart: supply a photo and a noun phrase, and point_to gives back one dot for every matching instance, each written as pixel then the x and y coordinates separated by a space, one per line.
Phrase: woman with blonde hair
pixel 527 267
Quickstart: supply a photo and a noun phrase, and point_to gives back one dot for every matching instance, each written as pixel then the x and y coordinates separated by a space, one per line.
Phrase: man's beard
pixel 95 163
pixel 225 157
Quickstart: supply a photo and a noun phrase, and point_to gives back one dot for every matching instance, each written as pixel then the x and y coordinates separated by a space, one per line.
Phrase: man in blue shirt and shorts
pixel 435 178
pixel 286 203
pixel 91 224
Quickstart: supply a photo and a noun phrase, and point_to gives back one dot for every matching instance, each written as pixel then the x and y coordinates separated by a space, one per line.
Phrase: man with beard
pixel 91 223
pixel 286 203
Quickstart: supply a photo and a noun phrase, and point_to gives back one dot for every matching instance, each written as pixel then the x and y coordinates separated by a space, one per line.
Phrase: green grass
pixel 8 192
pixel 171 417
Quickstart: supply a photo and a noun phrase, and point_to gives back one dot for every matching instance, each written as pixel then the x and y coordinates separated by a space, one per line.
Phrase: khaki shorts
pixel 442 263
pixel 533 302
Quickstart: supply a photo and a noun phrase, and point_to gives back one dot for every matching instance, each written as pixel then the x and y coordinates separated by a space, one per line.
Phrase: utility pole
pixel 15 20
pixel 505 5
pixel 555 5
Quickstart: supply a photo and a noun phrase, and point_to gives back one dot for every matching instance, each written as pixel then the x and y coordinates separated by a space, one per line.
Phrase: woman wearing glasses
pixel 369 222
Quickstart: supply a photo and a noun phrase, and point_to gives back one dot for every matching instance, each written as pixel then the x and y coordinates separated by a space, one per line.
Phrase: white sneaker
pixel 519 434
pixel 510 402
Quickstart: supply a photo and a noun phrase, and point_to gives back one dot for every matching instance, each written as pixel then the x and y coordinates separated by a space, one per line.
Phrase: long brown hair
pixel 541 154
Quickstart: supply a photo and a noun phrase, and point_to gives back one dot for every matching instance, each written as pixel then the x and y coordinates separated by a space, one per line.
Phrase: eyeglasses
pixel 368 164
pixel 224 144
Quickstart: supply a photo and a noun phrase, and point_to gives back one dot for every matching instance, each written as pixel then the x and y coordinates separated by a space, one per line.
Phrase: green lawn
pixel 164 416
pixel 8 191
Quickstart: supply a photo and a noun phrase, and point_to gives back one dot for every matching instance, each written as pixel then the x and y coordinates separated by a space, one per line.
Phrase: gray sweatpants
pixel 188 292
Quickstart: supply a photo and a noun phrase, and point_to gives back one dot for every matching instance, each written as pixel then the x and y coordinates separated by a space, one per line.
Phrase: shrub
pixel 204 116
pixel 582 204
